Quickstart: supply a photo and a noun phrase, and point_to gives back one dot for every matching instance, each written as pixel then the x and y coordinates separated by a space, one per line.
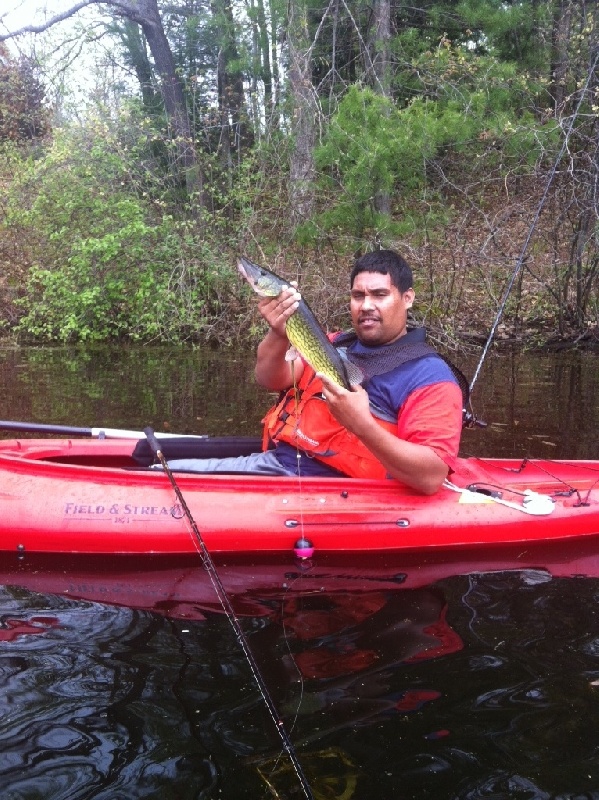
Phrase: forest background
pixel 463 133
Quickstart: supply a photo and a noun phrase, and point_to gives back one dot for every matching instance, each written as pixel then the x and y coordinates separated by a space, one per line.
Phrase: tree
pixel 145 13
pixel 229 81
pixel 23 115
pixel 381 68
pixel 264 66
pixel 303 122
pixel 134 45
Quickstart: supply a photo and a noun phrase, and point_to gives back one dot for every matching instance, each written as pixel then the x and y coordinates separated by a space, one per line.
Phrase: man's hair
pixel 387 262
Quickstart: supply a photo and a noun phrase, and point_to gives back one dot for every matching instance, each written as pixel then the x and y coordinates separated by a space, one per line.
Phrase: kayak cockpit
pixel 73 452
pixel 124 453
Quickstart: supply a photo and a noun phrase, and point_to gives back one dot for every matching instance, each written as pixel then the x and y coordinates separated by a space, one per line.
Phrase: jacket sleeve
pixel 432 416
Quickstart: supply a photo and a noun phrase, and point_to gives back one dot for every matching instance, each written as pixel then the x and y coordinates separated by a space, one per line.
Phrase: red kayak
pixel 100 497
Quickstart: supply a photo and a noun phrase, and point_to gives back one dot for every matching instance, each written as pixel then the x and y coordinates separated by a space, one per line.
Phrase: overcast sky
pixel 17 13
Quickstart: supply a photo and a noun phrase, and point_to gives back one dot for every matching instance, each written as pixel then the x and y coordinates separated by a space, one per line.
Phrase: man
pixel 404 422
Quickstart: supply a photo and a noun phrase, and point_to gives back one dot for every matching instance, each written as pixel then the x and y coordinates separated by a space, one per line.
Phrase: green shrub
pixel 105 261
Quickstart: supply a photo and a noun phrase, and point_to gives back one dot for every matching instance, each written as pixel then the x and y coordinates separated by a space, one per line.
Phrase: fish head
pixel 263 282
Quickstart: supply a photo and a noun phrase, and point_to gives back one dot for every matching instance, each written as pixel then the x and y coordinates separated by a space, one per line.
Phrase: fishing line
pixel 523 252
pixel 569 488
pixel 292 359
pixel 225 602
pixel 300 678
pixel 292 355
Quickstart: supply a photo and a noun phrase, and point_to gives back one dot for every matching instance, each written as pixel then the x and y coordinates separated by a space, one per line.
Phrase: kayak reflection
pixel 334 658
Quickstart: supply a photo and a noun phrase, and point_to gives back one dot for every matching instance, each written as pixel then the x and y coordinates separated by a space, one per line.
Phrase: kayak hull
pixel 93 497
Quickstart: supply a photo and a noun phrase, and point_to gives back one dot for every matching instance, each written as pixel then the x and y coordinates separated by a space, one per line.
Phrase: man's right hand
pixel 272 370
pixel 277 310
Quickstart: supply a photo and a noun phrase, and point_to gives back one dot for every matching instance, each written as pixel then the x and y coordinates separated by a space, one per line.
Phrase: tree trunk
pixel 276 33
pixel 303 123
pixel 135 46
pixel 560 40
pixel 171 88
pixel 263 60
pixel 382 78
pixel 234 129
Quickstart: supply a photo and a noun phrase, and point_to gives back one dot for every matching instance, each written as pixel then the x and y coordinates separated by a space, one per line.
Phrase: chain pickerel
pixel 304 331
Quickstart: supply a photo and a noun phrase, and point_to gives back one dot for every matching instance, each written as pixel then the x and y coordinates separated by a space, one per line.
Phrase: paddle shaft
pixel 225 602
pixel 94 433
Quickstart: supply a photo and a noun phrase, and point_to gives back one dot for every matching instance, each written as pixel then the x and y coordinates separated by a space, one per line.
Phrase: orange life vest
pixel 302 419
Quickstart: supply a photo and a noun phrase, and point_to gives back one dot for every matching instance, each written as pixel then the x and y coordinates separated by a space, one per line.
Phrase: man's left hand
pixel 350 408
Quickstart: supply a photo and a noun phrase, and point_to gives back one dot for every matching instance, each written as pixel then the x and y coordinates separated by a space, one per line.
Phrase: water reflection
pixel 535 405
pixel 83 714
pixel 531 695
pixel 186 389
pixel 109 702
pixel 481 685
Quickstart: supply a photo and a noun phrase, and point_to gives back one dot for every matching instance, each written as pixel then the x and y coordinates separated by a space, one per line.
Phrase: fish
pixel 304 331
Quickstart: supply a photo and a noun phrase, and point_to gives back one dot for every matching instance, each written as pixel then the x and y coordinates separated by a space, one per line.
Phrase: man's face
pixel 379 311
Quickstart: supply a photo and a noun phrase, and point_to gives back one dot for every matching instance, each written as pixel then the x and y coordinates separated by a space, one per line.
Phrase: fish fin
pixel 291 354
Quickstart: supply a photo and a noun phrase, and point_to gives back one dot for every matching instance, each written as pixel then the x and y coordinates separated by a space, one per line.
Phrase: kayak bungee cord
pixel 225 602
pixel 533 225
pixel 532 502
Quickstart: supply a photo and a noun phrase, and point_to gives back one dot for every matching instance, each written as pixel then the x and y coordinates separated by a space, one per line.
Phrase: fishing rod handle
pixel 153 442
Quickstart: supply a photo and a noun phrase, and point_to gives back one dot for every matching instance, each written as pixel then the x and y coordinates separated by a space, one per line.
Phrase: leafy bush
pixel 105 262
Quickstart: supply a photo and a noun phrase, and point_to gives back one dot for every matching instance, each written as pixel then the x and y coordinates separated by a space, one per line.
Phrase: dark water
pixel 394 680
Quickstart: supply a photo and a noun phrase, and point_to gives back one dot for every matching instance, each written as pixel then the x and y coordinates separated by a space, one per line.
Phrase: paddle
pixel 225 602
pixel 94 433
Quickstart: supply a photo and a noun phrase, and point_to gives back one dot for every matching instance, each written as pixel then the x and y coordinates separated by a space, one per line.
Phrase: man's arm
pixel 417 465
pixel 272 370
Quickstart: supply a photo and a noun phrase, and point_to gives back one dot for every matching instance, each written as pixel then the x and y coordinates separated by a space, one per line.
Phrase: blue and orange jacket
pixel 302 419
pixel 429 413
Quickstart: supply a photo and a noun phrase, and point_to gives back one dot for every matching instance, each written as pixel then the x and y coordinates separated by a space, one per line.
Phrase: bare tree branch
pixel 52 21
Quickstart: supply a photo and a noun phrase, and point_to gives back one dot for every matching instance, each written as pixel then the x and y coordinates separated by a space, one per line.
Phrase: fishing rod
pixel 523 252
pixel 225 602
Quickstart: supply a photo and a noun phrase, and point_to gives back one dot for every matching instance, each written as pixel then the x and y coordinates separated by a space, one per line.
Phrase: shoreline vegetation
pixel 470 150
pixel 461 272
